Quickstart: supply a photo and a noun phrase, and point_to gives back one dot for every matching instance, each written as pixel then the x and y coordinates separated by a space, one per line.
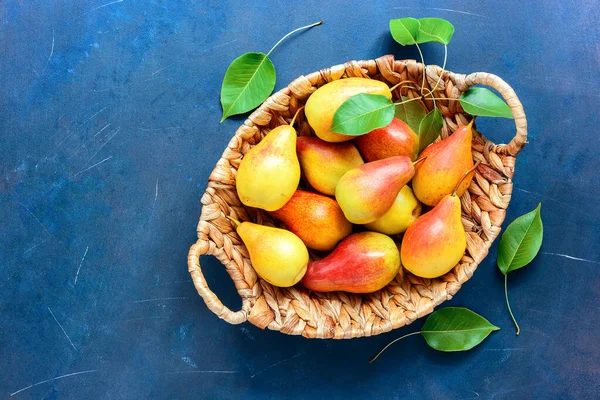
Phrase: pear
pixel 324 102
pixel 400 216
pixel 325 163
pixel 446 162
pixel 277 255
pixel 395 139
pixel 318 220
pixel 362 263
pixel 270 172
pixel 367 192
pixel 436 241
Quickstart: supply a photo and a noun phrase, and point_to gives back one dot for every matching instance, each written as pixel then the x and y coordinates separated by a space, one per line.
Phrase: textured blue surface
pixel 109 124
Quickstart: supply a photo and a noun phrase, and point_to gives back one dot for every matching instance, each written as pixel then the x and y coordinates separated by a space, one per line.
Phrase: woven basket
pixel 339 315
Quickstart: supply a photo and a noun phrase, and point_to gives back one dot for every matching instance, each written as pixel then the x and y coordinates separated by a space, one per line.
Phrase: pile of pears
pixel 359 195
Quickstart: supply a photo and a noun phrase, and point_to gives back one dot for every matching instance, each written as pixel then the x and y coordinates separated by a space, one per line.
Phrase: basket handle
pixel 213 303
pixel 483 78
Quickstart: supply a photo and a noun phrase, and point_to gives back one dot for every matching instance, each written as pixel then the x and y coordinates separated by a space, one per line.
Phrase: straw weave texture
pixel 339 315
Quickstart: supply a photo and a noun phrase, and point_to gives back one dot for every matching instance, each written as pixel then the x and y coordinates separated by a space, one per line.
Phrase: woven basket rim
pixel 294 310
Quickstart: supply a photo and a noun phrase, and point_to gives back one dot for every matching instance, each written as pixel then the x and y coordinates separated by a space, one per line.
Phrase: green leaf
pixel 483 102
pixel 430 128
pixel 521 241
pixel 455 329
pixel 248 81
pixel 434 30
pixel 362 113
pixel 412 113
pixel 405 30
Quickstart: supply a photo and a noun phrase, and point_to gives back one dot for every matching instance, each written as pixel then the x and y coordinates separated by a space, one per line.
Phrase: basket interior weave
pixel 340 315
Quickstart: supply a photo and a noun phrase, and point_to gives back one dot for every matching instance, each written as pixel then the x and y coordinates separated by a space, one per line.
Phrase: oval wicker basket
pixel 339 315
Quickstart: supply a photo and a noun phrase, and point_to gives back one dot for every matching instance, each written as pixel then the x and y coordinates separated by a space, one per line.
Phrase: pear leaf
pixel 362 113
pixel 483 102
pixel 455 329
pixel 451 329
pixel 519 245
pixel 434 30
pixel 405 30
pixel 430 128
pixel 521 241
pixel 248 81
pixel 410 112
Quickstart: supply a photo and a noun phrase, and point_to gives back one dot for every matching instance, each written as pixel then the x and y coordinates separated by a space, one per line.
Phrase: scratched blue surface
pixel 109 124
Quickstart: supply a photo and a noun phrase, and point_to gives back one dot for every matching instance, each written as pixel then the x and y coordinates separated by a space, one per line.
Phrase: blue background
pixel 109 124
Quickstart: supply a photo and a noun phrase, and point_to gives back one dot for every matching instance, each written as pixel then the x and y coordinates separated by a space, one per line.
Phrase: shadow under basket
pixel 339 315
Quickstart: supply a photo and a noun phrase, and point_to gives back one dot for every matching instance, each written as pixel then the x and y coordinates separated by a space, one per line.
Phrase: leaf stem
pixel 292 32
pixel 424 67
pixel 444 98
pixel 406 101
pixel 508 304
pixel 441 73
pixel 395 86
pixel 391 343
pixel 402 85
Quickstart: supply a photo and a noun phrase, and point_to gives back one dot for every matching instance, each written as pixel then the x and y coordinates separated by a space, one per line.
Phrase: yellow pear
pixel 278 256
pixel 400 216
pixel 270 172
pixel 324 102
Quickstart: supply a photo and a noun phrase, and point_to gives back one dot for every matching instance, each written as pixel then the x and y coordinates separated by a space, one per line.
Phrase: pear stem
pixel 235 221
pixel 292 32
pixel 464 176
pixel 391 343
pixel 508 304
pixel 424 67
pixel 419 160
pixel 441 73
pixel 295 115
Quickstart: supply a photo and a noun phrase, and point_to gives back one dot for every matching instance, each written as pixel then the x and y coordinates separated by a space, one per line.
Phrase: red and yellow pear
pixel 324 163
pixel 436 241
pixel 367 192
pixel 324 102
pixel 316 219
pixel 362 263
pixel 447 161
pixel 395 139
